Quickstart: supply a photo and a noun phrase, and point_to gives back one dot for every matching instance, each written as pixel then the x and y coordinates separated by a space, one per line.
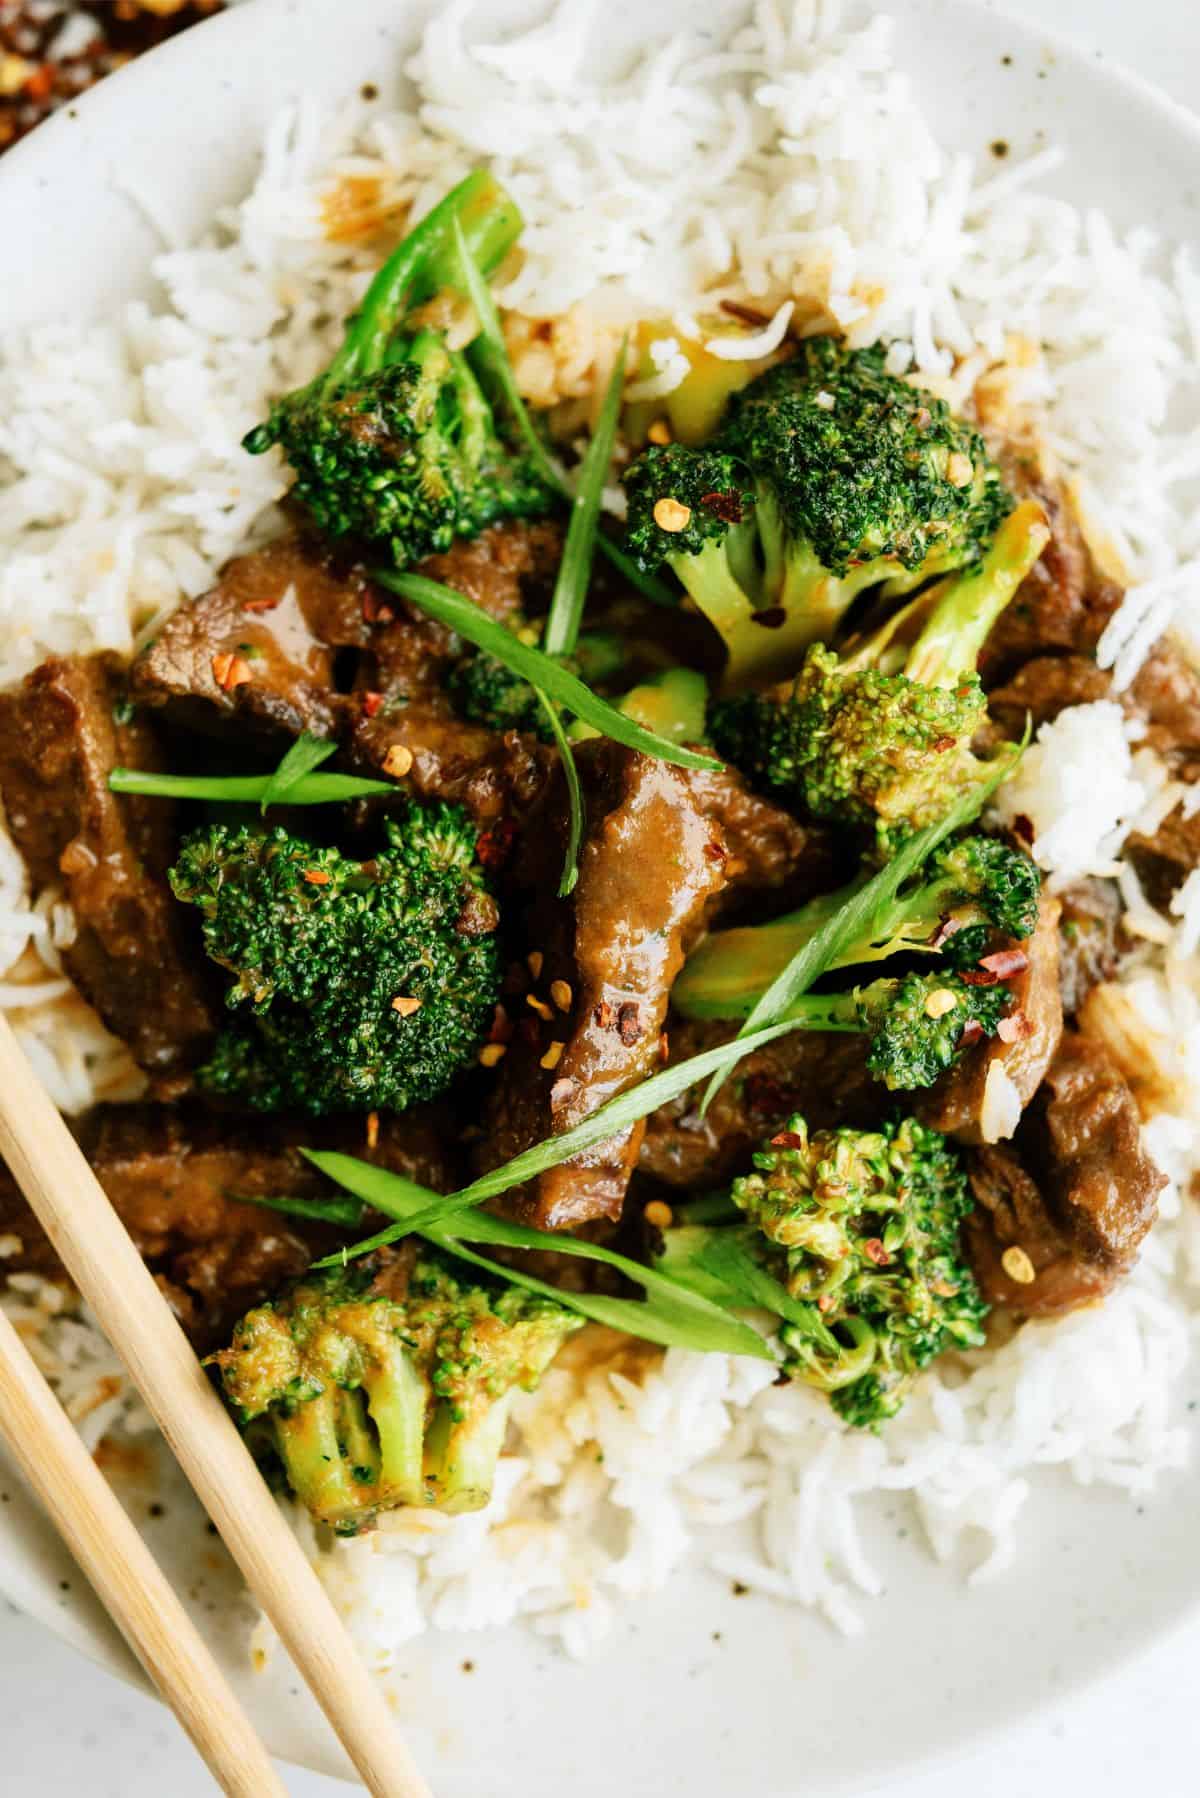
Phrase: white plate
pixel 698 1692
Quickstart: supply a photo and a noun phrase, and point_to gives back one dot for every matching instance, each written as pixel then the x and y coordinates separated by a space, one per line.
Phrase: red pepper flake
pixel 1006 962
pixel 947 925
pixel 825 1302
pixel 40 84
pixel 664 1047
pixel 715 852
pixel 875 1251
pixel 316 877
pixel 629 1026
pixel 749 315
pixel 941 744
pixel 772 618
pixel 725 506
pixel 230 671
pixel 787 1139
pixel 495 845
pixel 266 604
pixel 374 610
pixel 372 1129
pixel 972 1032
pixel 603 1015
pixel 979 977
pixel 371 703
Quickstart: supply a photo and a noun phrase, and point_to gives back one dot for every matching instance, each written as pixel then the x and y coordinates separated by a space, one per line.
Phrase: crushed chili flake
pixel 371 703
pixel 602 1016
pixel 629 1025
pixel 972 1032
pixel 561 994
pixel 715 852
pixel 316 877
pixel 725 506
pixel 875 1251
pixel 375 611
pixel 372 1129
pixel 672 515
pixel 772 618
pixel 978 977
pixel 230 671
pixel 398 761
pixel 787 1139
pixel 941 744
pixel 659 1215
pixel 492 1053
pixel 266 604
pixel 495 845
pixel 1006 962
pixel 659 432
pixel 405 1006
pixel 825 1302
pixel 539 1005
pixel 664 1046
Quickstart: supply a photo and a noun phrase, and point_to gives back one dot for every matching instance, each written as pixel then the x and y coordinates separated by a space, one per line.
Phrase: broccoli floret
pixel 486 690
pixel 388 1383
pixel 827 476
pixel 357 985
pixel 880 738
pixel 865 1225
pixel 970 892
pixel 915 1024
pixel 394 444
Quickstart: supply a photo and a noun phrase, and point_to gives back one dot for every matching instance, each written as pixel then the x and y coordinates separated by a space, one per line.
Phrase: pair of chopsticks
pixel 92 1244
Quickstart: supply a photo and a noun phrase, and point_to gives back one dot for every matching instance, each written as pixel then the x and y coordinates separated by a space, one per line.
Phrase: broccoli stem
pixel 424 263
pixel 461 1453
pixel 396 1398
pixel 965 606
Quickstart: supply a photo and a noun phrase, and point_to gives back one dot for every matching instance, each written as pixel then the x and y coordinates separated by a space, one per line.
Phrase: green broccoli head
pixel 827 476
pixel 865 1225
pixel 879 738
pixel 387 1382
pixel 405 457
pixel 356 985
pixel 486 691
pixel 919 1025
pixel 972 893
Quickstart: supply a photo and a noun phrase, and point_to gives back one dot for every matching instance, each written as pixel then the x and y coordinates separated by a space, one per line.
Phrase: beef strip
pixel 295 637
pixel 1042 688
pixel 650 864
pixel 131 958
pixel 955 1104
pixel 772 857
pixel 822 1076
pixel 1064 602
pixel 1091 941
pixel 1073 1190
pixel 171 1173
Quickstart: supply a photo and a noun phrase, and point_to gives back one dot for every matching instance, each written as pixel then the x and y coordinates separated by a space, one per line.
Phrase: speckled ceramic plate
pixel 779 1704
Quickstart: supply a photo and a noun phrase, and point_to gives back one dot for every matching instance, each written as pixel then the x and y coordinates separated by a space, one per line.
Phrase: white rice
pixel 790 167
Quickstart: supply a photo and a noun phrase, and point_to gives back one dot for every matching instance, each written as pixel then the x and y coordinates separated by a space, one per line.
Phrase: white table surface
pixel 70 1729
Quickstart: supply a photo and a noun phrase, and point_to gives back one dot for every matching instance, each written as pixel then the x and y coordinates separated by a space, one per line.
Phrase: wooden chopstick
pixel 96 1251
pixel 126 1577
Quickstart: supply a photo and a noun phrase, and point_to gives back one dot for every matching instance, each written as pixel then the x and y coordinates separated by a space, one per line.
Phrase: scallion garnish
pixel 540 670
pixel 305 754
pixel 575 569
pixel 247 789
pixel 570 873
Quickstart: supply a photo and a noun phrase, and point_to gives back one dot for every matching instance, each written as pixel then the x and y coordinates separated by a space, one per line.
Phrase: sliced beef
pixel 604 963
pixel 173 1176
pixel 59 739
pixel 1091 942
pixel 772 856
pixel 1064 602
pixel 1162 862
pixel 1042 688
pixel 294 637
pixel 824 1077
pixel 955 1104
pixel 1073 1192
pixel 1166 693
pixel 259 649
